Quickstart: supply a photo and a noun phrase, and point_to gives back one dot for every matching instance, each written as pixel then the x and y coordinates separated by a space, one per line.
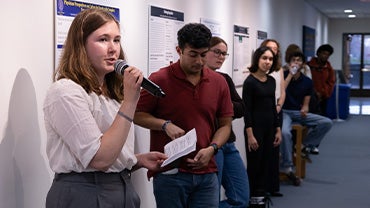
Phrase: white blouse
pixel 75 122
pixel 277 76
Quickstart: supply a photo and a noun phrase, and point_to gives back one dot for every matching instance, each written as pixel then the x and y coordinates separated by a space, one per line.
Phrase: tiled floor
pixel 359 106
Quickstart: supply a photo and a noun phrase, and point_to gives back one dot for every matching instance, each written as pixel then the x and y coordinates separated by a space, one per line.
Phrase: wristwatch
pixel 215 147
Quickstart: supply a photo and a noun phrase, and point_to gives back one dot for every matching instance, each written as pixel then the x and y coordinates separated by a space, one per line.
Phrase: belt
pixel 94 177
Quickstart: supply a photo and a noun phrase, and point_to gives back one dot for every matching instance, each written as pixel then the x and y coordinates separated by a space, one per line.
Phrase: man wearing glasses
pixel 196 97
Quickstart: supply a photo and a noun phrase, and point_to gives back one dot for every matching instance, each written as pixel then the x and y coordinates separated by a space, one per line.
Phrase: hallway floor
pixel 340 175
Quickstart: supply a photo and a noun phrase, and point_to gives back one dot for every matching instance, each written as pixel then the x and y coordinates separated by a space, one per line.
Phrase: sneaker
pixel 314 150
pixel 305 154
pixel 305 151
pixel 286 170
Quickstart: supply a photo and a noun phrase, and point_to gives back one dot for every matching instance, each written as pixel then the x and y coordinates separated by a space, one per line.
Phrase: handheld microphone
pixel 151 87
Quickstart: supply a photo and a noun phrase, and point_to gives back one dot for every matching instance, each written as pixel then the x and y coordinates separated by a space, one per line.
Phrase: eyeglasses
pixel 218 53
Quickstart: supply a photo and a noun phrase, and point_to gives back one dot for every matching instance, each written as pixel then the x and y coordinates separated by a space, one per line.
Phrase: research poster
pixel 242 55
pixel 213 25
pixel 261 36
pixel 65 11
pixel 163 27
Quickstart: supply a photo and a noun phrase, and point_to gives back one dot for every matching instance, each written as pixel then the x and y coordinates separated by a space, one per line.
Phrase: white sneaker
pixel 286 170
pixel 314 150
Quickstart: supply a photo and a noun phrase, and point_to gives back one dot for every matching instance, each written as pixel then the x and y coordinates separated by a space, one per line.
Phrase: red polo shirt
pixel 188 107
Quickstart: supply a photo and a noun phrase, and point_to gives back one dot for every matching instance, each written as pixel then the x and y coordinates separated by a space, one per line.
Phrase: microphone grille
pixel 120 66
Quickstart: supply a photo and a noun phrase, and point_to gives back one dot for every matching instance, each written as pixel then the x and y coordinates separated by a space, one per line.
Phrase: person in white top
pixel 88 114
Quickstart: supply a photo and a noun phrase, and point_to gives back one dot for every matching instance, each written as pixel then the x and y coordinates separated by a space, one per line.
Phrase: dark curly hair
pixel 196 35
pixel 296 54
pixel 325 47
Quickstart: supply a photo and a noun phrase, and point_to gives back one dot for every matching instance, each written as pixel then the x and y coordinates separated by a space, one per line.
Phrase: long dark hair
pixel 278 54
pixel 256 57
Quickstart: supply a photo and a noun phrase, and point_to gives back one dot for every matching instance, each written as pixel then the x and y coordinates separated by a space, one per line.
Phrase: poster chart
pixel 213 26
pixel 242 54
pixel 261 36
pixel 64 14
pixel 163 27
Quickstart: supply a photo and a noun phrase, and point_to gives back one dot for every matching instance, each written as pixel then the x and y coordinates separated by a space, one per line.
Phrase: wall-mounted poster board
pixel 261 36
pixel 163 27
pixel 65 12
pixel 213 25
pixel 241 54
pixel 308 45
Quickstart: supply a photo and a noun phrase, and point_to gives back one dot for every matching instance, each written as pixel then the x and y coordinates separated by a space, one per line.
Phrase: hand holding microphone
pixel 151 87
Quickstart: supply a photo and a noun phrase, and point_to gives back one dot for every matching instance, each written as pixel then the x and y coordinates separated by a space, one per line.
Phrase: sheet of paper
pixel 180 147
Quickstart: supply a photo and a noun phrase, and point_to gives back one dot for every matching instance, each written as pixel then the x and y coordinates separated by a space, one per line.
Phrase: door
pixel 356 63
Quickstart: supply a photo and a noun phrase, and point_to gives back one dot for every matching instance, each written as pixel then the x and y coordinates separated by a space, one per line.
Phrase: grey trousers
pixel 93 190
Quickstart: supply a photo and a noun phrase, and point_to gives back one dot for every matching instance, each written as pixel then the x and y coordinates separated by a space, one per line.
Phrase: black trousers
pixel 93 190
pixel 259 168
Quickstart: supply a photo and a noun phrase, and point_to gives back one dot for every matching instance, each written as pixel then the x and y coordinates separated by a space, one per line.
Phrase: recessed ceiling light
pixel 351 16
pixel 348 11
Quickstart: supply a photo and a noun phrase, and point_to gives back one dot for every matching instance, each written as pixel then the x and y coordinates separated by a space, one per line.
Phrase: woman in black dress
pixel 262 129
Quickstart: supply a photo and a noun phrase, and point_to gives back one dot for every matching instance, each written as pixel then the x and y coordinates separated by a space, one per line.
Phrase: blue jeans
pixel 183 190
pixel 233 176
pixel 318 127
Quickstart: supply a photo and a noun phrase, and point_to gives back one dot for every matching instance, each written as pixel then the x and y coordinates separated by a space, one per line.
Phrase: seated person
pixel 299 89
pixel 292 48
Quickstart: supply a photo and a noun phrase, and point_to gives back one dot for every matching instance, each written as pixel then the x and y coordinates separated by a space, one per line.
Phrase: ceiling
pixel 335 8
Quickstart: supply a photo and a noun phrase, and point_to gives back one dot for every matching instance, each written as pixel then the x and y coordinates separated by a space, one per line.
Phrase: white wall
pixel 26 57
pixel 27 54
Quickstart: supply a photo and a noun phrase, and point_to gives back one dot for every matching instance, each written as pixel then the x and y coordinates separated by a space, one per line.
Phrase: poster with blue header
pixel 65 11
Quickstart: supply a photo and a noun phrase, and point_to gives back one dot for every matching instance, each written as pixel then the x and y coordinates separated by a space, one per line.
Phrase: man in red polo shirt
pixel 196 97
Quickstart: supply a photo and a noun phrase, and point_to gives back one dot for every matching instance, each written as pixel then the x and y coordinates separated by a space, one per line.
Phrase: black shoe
pixel 305 154
pixel 296 181
pixel 310 150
